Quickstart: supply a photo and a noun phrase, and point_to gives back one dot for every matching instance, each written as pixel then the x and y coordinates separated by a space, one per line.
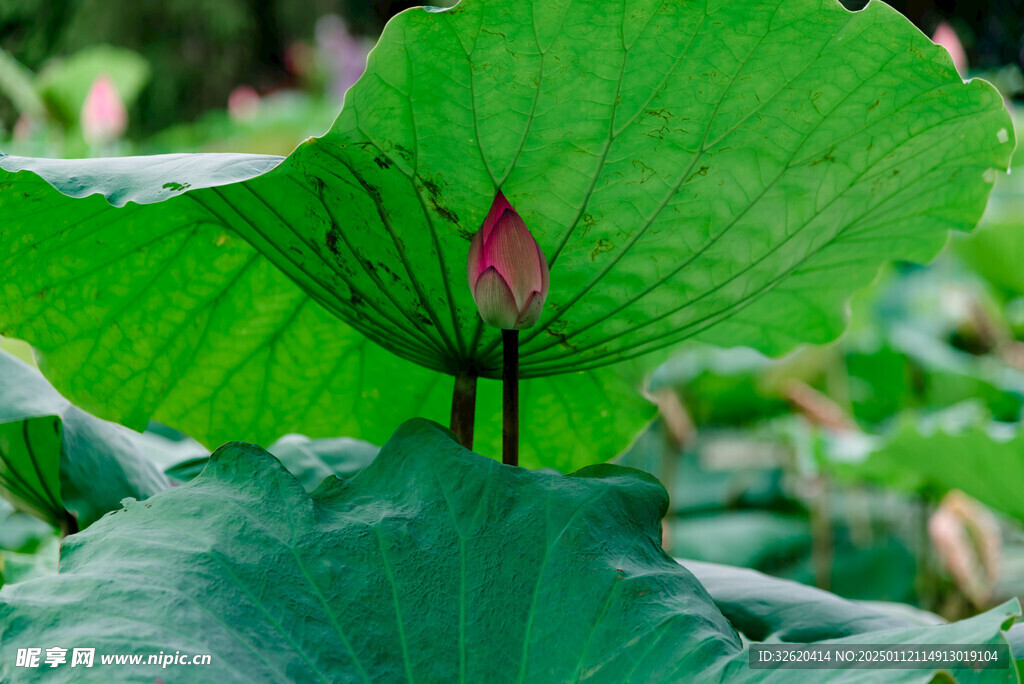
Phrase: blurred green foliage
pixel 198 49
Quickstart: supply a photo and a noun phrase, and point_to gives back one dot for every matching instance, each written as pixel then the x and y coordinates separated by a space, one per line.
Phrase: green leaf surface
pixel 54 456
pixel 1016 638
pixel 30 468
pixel 408 571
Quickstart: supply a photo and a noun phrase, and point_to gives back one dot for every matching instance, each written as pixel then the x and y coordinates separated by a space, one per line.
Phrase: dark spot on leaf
pixel 657 133
pixel 562 339
pixel 382 162
pixel 465 234
pixel 435 199
pixel 431 187
pixel 404 152
pixel 827 157
pixel 384 267
pixel 702 171
pixel 446 213
pixel 661 113
pixel 588 223
pixel 176 187
pixel 646 172
pixel 603 246
pixel 873 105
pixel 333 233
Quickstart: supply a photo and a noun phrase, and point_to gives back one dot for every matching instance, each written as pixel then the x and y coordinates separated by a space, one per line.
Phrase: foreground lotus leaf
pixel 430 564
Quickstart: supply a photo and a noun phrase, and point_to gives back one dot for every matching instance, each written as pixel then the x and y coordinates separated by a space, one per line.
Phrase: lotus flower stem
pixel 464 408
pixel 510 398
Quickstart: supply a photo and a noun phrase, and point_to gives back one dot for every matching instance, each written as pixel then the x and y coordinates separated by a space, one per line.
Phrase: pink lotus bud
pixel 104 117
pixel 507 272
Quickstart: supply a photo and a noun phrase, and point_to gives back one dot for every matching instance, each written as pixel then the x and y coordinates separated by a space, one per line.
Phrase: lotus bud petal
pixel 507 272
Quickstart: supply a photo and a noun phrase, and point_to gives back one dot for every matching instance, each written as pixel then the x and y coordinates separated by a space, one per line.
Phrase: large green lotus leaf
pixel 195 328
pixel 675 160
pixel 431 564
pixel 986 467
pixel 731 170
pixel 57 461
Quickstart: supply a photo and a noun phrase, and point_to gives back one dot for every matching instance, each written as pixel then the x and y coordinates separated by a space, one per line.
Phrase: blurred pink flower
pixel 243 103
pixel 947 38
pixel 104 117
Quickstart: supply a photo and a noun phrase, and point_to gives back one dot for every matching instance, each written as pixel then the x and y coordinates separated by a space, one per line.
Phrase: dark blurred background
pixel 198 50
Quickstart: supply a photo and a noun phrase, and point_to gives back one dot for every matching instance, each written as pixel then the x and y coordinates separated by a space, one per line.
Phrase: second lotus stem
pixel 510 398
